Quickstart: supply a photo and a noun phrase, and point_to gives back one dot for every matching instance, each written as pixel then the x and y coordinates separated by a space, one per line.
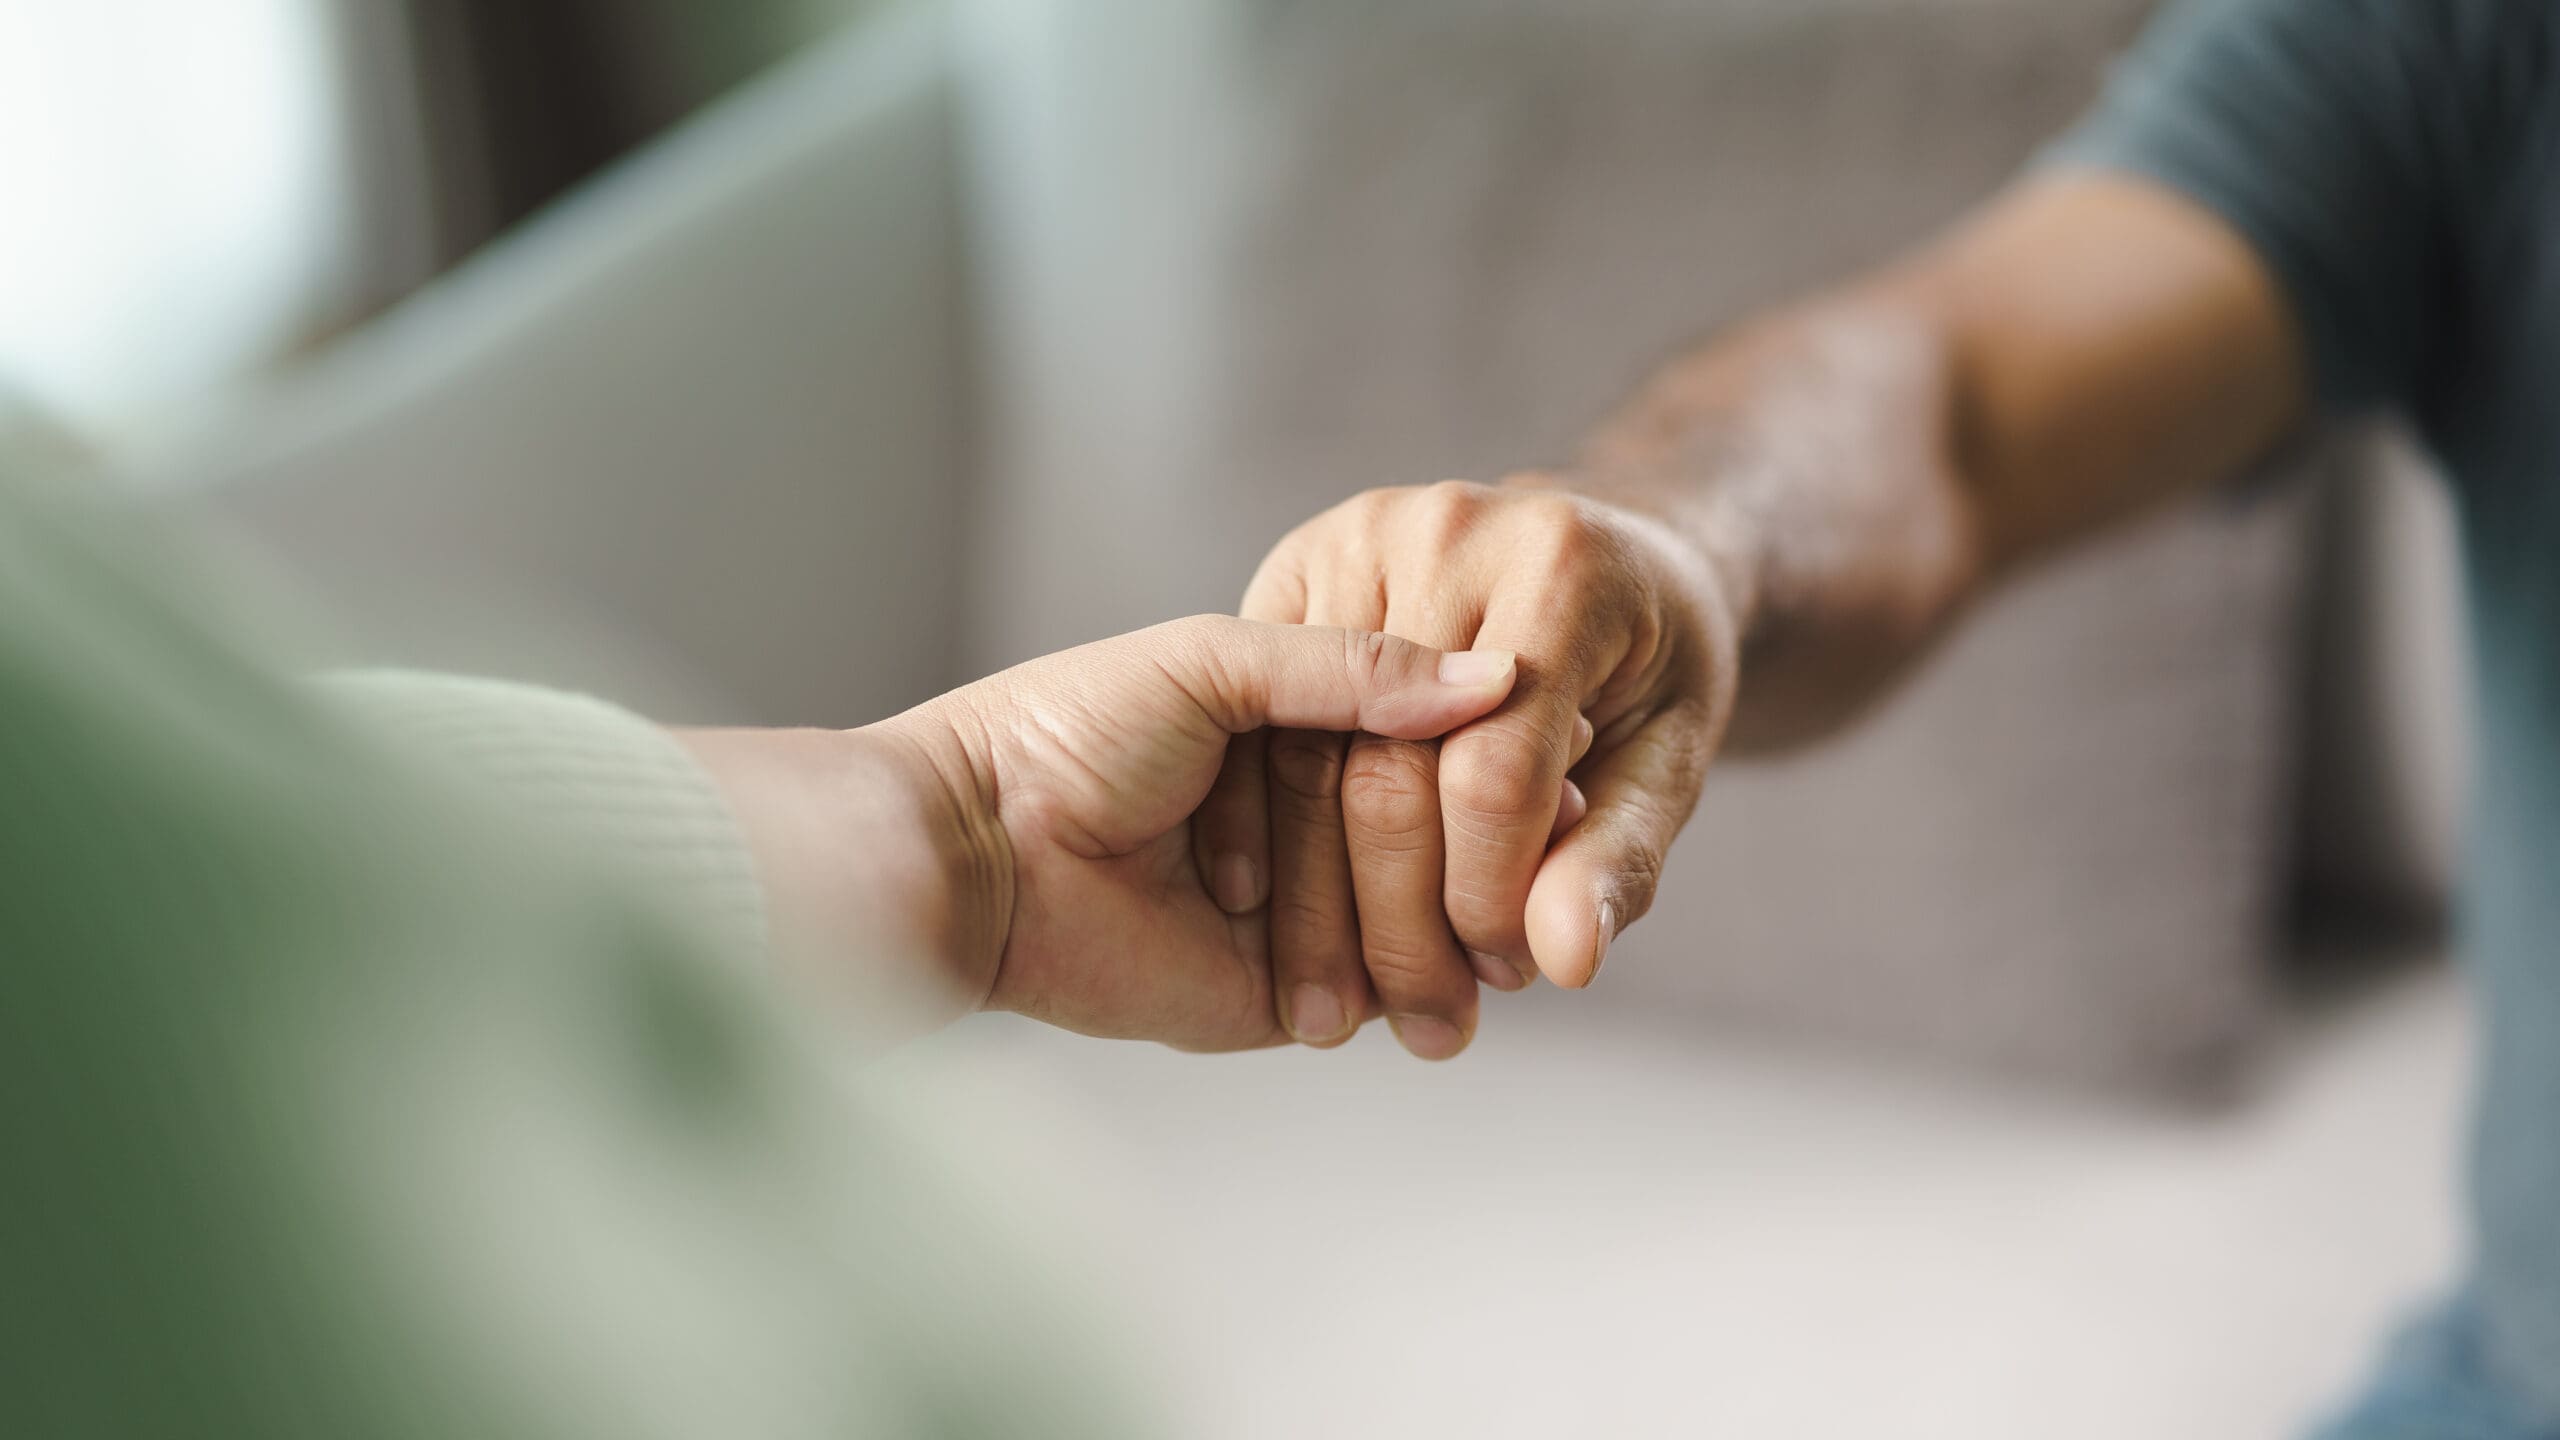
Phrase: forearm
pixel 1855 469
pixel 1811 458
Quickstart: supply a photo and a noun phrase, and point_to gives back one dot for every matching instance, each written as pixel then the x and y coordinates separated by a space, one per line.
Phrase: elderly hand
pixel 1031 833
pixel 1400 872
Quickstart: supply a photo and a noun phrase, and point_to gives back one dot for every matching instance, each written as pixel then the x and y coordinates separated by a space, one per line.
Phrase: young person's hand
pixel 1030 835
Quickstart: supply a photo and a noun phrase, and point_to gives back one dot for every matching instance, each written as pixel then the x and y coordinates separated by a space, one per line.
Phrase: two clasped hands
pixel 1447 745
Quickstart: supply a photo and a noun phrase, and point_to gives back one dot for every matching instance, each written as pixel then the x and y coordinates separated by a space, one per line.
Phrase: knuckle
pixel 1309 933
pixel 1204 637
pixel 1452 510
pixel 1372 511
pixel 1569 547
pixel 1546 512
pixel 1388 789
pixel 1486 919
pixel 1364 656
pixel 1401 968
pixel 1278 590
pixel 1564 539
pixel 1499 777
pixel 1206 650
pixel 1458 494
pixel 1689 741
pixel 1306 768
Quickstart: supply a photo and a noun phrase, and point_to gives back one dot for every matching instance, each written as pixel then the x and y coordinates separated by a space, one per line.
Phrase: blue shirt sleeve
pixel 2348 141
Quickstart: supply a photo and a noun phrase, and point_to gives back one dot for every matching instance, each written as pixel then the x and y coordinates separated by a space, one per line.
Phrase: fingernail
pixel 1427 1037
pixel 1238 883
pixel 1582 734
pixel 1496 971
pixel 1608 932
pixel 1315 1016
pixel 1474 669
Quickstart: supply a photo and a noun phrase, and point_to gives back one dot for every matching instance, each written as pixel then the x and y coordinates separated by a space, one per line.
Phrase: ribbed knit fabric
pixel 607 780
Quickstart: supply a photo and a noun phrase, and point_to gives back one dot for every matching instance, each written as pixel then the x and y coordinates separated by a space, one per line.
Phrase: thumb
pixel 1246 675
pixel 1601 875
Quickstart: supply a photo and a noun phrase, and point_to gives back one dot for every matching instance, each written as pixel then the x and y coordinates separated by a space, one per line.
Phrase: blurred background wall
pixel 179 197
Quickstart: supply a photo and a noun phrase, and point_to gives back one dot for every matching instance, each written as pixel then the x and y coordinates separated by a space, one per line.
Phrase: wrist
pixel 880 872
pixel 946 786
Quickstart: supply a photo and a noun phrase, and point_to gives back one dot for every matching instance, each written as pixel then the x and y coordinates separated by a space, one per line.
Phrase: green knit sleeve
pixel 340 1099
pixel 609 782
